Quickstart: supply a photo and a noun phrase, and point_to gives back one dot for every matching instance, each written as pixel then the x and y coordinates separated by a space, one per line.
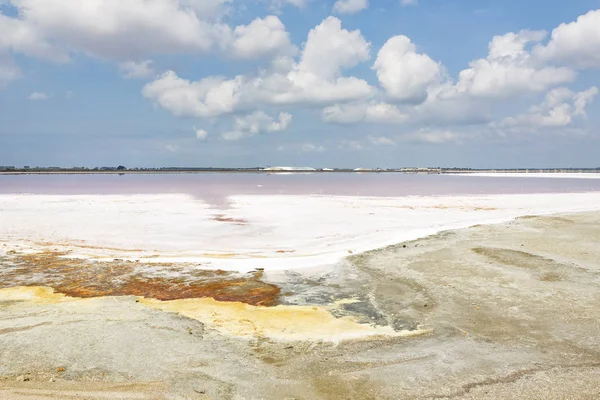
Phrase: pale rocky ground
pixel 509 311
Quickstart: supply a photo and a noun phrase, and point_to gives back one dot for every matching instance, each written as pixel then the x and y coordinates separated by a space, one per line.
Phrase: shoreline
pixel 540 173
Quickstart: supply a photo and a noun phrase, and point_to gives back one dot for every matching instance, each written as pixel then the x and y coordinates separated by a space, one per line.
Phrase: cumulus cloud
pixel 137 70
pixel 209 97
pixel 316 78
pixel 350 6
pixel 115 29
pixel 39 96
pixel 403 73
pixel 374 112
pixel 256 123
pixel 201 134
pixel 381 141
pixel 558 109
pixel 416 88
pixel 412 87
pixel 263 36
pixel 329 48
pixel 575 44
pixel 135 29
pixel 510 69
pixel 22 36
pixel 432 136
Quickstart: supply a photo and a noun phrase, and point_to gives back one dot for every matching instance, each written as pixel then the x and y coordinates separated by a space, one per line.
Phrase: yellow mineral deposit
pixel 284 323
pixel 34 295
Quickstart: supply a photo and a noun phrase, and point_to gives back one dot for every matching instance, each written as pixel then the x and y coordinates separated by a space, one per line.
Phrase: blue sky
pixel 299 82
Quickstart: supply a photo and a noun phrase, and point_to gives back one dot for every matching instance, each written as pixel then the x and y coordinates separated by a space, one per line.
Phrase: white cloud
pixel 558 109
pixel 299 87
pixel 201 134
pixel 445 106
pixel 137 70
pixel 510 69
pixel 582 99
pixel 302 147
pixel 172 148
pixel 209 97
pixel 351 145
pixel 576 44
pixel 432 136
pixel 329 48
pixel 263 36
pixel 315 79
pixel 39 96
pixel 374 112
pixel 135 29
pixel 409 2
pixel 256 123
pixel 381 141
pixel 404 73
pixel 22 36
pixel 350 6
pixel 116 29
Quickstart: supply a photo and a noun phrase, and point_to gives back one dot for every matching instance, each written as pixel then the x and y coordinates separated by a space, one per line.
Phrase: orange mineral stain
pixel 87 279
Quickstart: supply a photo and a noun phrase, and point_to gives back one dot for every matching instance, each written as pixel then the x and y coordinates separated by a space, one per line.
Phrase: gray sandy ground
pixel 514 311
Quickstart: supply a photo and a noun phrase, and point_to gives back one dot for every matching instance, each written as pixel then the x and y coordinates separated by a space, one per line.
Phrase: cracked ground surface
pixel 507 311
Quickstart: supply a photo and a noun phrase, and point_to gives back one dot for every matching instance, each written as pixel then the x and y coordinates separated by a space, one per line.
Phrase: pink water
pixel 215 188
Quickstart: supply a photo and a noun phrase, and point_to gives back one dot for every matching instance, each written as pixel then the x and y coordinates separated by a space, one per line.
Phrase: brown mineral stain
pixel 86 279
pixel 224 218
pixel 245 290
pixel 82 245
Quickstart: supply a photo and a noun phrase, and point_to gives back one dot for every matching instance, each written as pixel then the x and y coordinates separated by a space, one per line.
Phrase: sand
pixel 507 311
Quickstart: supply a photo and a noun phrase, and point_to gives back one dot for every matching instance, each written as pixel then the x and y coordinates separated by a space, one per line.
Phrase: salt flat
pixel 272 232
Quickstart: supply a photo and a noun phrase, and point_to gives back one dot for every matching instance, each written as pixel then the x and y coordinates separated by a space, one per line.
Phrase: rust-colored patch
pixel 161 281
pixel 285 251
pixel 242 290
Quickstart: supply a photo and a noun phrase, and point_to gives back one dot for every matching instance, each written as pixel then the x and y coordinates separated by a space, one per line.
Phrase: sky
pixel 346 83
